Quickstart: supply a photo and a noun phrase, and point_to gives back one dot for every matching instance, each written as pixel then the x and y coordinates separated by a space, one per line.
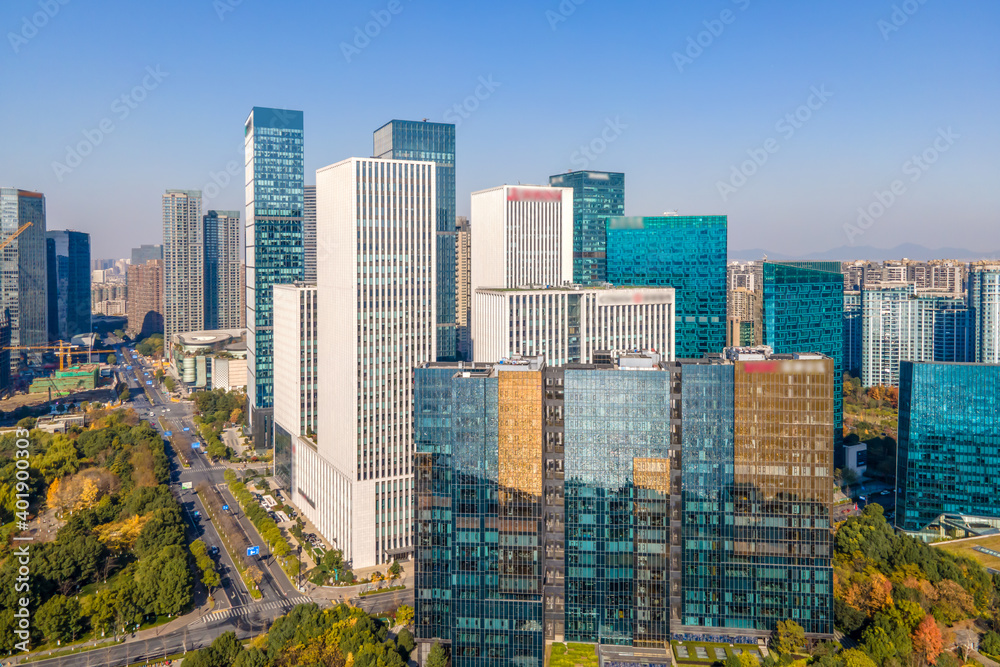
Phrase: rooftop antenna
pixel 426 119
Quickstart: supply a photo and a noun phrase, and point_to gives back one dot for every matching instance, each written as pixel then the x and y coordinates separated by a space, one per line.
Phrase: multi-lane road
pixel 234 609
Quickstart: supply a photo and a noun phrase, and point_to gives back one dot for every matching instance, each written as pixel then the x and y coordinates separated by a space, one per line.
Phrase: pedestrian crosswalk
pixel 252 609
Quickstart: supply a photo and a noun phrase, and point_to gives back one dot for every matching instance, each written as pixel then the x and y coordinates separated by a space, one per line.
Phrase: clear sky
pixel 675 94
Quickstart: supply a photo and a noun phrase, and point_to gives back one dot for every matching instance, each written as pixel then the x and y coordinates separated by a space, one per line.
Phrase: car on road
pixel 213 550
pixel 885 493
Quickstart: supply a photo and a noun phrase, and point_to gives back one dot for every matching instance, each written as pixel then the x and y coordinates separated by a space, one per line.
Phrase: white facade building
pixel 523 236
pixel 295 362
pixel 183 263
pixel 376 265
pixel 568 324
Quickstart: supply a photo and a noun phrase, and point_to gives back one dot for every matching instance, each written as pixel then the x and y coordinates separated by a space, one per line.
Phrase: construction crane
pixel 14 235
pixel 64 350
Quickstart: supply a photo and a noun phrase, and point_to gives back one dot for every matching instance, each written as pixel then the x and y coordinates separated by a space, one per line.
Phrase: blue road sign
pixel 197 514
pixel 195 445
pixel 149 382
pixel 225 508
pixel 128 368
pixel 187 428
pixel 168 433
pixel 253 551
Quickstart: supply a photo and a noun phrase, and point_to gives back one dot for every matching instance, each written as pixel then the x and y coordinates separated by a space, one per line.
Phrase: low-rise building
pixel 192 355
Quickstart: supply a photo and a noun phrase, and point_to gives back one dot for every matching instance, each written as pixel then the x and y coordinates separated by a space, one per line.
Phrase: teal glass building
pixel 949 447
pixel 687 253
pixel 274 204
pixel 69 284
pixel 597 196
pixel 432 142
pixel 802 309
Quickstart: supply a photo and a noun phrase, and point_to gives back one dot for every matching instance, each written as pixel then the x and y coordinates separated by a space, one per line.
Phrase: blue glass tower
pixel 432 142
pixel 687 253
pixel 274 204
pixel 949 447
pixel 802 310
pixel 597 196
pixel 69 303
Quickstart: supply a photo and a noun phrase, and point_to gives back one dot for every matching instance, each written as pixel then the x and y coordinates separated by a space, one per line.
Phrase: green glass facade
pixel 275 254
pixel 802 310
pixel 687 253
pixel 597 196
pixel 432 142
pixel 684 500
pixel 949 443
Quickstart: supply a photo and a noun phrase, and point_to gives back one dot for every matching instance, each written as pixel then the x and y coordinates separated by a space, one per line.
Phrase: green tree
pixel 789 637
pixel 59 619
pixel 404 615
pixel 438 657
pixel 856 658
pixel 164 528
pixel 395 569
pixel 405 643
pixel 878 644
pixel 27 422
pixel 102 612
pixel 111 360
pixel 251 657
pixel 125 395
pixel 990 643
pixel 733 660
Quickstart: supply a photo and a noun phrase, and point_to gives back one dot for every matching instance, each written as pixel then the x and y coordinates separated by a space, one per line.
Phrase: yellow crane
pixel 64 350
pixel 14 235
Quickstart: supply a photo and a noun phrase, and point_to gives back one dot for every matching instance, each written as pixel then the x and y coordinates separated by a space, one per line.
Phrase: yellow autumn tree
pixel 52 497
pixel 121 535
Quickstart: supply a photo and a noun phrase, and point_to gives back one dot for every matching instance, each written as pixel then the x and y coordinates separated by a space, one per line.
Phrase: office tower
pixel 243 295
pixel 740 316
pixel 183 263
pixel 949 418
pixel 376 235
pixel 52 285
pixel 687 253
pixel 145 299
pixel 432 142
pixel 146 252
pixel 802 309
pixel 627 503
pixel 5 365
pixel 222 270
pixel 984 312
pixel 565 325
pixel 275 181
pixel 743 275
pixel 900 323
pixel 71 273
pixel 24 289
pixel 597 196
pixel 852 333
pixel 309 232
pixel 523 236
pixel 295 398
pixel 463 287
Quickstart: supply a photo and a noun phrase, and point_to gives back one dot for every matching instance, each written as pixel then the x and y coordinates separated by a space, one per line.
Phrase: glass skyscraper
pixel 597 196
pixel 24 289
pixel 275 180
pixel 598 504
pixel 222 270
pixel 687 253
pixel 984 313
pixel 70 276
pixel 949 448
pixel 802 309
pixel 432 142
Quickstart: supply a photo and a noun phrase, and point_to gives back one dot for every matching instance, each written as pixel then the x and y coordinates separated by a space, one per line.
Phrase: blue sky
pixel 674 94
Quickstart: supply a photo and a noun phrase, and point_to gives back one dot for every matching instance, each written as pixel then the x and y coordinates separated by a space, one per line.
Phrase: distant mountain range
pixel 848 253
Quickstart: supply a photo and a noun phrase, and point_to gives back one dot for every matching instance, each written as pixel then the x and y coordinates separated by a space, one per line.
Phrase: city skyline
pixel 848 60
